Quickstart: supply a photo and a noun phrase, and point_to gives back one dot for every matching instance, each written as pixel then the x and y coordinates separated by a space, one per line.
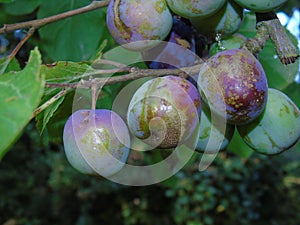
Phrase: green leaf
pixel 49 111
pixel 21 7
pixel 20 93
pixel 76 38
pixel 56 73
pixel 53 129
pixel 64 71
pixel 279 75
pixel 239 147
pixel 12 66
pixel 6 1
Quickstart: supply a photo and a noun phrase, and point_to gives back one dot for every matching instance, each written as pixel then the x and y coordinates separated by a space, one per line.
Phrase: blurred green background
pixel 38 186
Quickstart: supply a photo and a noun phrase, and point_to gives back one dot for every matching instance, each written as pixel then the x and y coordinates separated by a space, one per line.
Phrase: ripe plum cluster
pixel 229 92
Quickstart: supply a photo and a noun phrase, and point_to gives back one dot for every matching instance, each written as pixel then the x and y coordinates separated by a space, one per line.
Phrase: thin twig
pixel 108 62
pixel 51 101
pixel 7 28
pixel 16 50
pixel 134 74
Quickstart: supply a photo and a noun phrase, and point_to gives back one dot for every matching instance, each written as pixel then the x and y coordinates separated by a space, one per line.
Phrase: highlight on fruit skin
pixel 261 5
pixel 195 9
pixel 136 25
pixel 277 129
pixel 235 78
pixel 164 111
pixel 96 141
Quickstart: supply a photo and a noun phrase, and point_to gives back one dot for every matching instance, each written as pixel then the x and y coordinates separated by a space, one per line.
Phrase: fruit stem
pixel 256 44
pixel 285 49
pixel 269 27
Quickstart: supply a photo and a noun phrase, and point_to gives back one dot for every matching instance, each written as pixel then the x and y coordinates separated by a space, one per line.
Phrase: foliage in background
pixel 38 186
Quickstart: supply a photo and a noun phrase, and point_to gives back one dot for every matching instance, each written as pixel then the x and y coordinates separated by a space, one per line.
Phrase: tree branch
pixel 135 73
pixel 7 28
pixel 269 27
pixel 50 102
pixel 17 48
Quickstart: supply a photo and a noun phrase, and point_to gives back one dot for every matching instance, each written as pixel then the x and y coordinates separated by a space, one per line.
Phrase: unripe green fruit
pixel 225 22
pixel 96 141
pixel 195 9
pixel 261 5
pixel 213 137
pixel 277 129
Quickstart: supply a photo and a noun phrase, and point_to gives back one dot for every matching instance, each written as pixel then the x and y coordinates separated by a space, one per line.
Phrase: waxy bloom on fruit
pixel 96 141
pixel 277 129
pixel 137 24
pixel 195 9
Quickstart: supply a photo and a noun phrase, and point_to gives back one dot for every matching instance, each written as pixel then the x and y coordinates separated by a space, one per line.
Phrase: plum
pixel 164 111
pixel 213 136
pixel 191 9
pixel 178 49
pixel 277 129
pixel 261 6
pixel 137 24
pixel 225 22
pixel 96 141
pixel 235 80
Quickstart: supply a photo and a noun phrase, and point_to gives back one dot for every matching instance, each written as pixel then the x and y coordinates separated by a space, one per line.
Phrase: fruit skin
pixel 221 136
pixel 225 22
pixel 191 9
pixel 235 80
pixel 261 5
pixel 164 111
pixel 135 23
pixel 95 141
pixel 277 129
pixel 178 49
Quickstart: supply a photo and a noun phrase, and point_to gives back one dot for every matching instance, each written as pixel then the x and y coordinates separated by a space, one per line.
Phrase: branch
pixel 7 28
pixel 50 102
pixel 269 26
pixel 135 73
pixel 17 48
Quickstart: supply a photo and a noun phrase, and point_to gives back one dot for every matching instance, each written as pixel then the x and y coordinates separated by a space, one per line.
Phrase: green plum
pixel 96 141
pixel 225 22
pixel 213 137
pixel 277 129
pixel 261 5
pixel 195 9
